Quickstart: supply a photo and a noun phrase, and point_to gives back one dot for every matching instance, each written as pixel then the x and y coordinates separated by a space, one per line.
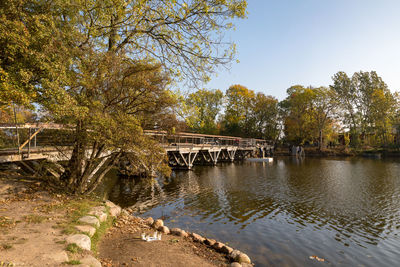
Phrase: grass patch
pixel 75 209
pixel 101 231
pixel 34 218
pixel 73 248
pixel 6 246
pixel 6 222
pixel 73 262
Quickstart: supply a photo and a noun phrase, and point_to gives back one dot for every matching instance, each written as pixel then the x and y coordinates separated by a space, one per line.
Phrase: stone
pixel 99 212
pixel 158 223
pixel 209 242
pixel 90 220
pixel 218 246
pixel 247 265
pixel 234 254
pixel 115 211
pixel 110 204
pixel 149 221
pixel 242 258
pixel 179 232
pixel 90 230
pixel 163 229
pixel 226 249
pixel 82 241
pixel 90 261
pixel 235 264
pixel 197 238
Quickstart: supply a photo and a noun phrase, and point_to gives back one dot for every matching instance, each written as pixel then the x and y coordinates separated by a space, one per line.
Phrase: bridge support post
pixel 181 159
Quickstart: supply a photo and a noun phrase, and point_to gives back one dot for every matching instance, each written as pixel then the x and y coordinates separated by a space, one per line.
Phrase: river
pixel 346 211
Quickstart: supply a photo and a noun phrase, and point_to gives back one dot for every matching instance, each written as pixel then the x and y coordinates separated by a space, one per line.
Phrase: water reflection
pixel 346 211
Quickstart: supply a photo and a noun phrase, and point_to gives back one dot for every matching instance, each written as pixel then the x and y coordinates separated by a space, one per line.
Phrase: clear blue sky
pixel 287 42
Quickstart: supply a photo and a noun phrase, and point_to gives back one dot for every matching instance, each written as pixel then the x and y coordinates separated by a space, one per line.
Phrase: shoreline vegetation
pixel 342 152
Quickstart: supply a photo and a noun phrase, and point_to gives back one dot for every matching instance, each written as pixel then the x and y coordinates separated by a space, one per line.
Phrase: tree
pixel 237 113
pixel 264 117
pixel 382 114
pixel 205 105
pixel 103 67
pixel 33 51
pixel 323 106
pixel 299 126
pixel 308 114
pixel 356 98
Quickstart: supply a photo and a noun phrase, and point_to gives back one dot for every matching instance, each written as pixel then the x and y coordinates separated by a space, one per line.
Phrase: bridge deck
pixel 183 149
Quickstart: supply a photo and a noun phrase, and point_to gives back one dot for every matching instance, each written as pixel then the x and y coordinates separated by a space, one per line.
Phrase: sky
pixel 288 42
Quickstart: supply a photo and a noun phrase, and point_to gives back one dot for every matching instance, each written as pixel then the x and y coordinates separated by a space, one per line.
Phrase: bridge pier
pixel 181 159
pixel 208 157
pixel 227 155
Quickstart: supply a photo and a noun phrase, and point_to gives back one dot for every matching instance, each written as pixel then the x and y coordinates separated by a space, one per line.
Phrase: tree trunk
pixel 320 140
pixel 73 173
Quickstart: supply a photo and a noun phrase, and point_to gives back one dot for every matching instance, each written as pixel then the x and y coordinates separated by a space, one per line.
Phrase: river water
pixel 346 211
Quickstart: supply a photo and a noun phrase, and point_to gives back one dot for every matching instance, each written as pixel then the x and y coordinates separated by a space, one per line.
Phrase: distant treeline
pixel 353 111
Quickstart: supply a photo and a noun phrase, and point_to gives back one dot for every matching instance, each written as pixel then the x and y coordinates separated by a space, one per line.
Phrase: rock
pixel 184 234
pixel 242 258
pixel 163 229
pixel 110 204
pixel 90 220
pixel 149 221
pixel 90 230
pixel 90 261
pixel 115 211
pixel 158 223
pixel 82 241
pixel 235 264
pixel 99 212
pixel 197 238
pixel 218 246
pixel 247 265
pixel 179 232
pixel 209 242
pixel 234 254
pixel 226 249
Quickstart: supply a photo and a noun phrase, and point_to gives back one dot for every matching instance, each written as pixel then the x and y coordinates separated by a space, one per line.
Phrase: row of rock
pixel 238 258
pixel 89 225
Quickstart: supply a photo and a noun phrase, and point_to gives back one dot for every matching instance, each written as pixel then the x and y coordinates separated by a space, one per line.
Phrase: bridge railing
pixel 194 139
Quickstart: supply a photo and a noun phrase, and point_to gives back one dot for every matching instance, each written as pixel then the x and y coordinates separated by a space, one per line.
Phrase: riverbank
pixel 342 152
pixel 40 226
pixel 123 245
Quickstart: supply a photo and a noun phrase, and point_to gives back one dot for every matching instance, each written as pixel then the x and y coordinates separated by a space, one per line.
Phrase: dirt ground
pixel 28 232
pixel 122 246
pixel 33 223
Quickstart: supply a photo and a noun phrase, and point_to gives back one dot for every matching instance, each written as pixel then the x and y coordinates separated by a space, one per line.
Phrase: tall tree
pixel 127 51
pixel 356 97
pixel 264 117
pixel 237 113
pixel 299 126
pixel 323 108
pixel 205 105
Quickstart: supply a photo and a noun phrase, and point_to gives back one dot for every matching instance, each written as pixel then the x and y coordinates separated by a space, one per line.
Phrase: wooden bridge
pixel 184 150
